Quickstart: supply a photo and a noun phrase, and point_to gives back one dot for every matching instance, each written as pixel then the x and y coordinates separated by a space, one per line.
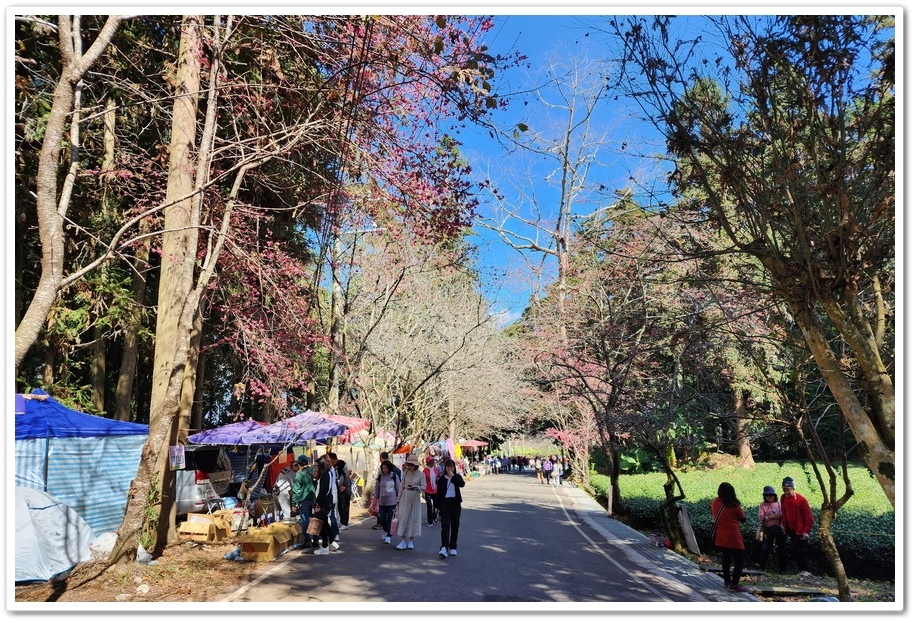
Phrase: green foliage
pixel 863 531
pixel 638 461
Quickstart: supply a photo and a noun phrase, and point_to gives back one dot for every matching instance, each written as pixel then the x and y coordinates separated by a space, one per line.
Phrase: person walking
pixel 282 491
pixel 324 505
pixel 797 520
pixel 431 474
pixel 344 489
pixel 333 518
pixel 448 498
pixel 303 496
pixel 410 510
pixel 728 517
pixel 382 457
pixel 548 470
pixel 539 469
pixel 556 471
pixel 387 489
pixel 770 533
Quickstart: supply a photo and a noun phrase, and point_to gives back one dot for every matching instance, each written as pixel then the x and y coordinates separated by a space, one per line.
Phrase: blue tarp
pixel 85 461
pixel 45 418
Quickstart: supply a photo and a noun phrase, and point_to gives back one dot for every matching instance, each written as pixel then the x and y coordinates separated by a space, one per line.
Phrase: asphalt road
pixel 520 541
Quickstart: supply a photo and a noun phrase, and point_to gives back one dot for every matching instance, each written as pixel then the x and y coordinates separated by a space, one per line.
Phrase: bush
pixel 863 531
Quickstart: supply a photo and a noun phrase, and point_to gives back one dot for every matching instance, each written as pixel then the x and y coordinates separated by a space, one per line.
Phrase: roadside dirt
pixel 186 572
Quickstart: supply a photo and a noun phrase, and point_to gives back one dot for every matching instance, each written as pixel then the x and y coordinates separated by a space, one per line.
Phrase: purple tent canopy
pixel 302 427
pixel 226 435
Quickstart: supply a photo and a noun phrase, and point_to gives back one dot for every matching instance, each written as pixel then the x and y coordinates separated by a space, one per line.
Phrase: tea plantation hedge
pixel 864 529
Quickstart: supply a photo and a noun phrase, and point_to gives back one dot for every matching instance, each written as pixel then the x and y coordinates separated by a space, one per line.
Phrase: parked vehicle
pixel 206 477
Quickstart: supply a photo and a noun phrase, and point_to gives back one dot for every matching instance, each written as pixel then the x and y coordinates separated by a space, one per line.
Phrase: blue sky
pixel 506 275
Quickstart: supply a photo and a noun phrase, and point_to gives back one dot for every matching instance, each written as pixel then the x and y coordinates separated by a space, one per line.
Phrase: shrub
pixel 863 531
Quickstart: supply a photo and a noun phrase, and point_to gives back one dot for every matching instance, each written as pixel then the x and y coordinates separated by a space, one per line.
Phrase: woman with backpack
pixel 387 489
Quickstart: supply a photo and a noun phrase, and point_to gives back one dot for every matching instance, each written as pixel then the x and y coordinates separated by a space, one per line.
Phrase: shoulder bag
pixel 712 533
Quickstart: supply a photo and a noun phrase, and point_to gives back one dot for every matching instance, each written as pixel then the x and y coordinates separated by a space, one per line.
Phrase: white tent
pixel 51 538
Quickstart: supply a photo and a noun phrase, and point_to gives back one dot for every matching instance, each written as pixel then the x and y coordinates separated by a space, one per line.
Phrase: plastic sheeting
pixel 51 538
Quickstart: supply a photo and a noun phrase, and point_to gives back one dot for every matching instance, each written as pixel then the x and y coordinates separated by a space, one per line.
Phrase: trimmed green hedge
pixel 864 529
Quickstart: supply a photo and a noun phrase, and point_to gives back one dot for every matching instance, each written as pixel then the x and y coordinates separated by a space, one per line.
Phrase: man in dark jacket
pixel 344 489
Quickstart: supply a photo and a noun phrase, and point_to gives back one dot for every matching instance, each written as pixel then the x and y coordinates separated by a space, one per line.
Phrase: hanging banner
pixel 176 457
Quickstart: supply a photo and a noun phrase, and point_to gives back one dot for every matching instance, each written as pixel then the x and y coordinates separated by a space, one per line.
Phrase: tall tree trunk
pixel 100 341
pixel 189 388
pixel 150 514
pixel 669 509
pixel 742 439
pixel 133 322
pixel 877 452
pixel 47 370
pixel 99 349
pixel 616 502
pixel 197 415
pixel 825 520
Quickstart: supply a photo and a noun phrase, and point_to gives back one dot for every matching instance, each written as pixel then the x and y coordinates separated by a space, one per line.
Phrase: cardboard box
pixel 296 534
pixel 205 528
pixel 236 517
pixel 265 544
pixel 200 532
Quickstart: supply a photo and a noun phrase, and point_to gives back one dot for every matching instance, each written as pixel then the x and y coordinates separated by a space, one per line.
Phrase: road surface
pixel 520 541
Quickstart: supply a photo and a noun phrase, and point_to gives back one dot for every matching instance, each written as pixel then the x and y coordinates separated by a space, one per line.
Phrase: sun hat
pixel 430 460
pixel 412 459
pixel 768 490
pixel 788 482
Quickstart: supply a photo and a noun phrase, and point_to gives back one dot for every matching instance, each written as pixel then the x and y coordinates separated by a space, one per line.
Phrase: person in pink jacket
pixel 797 520
pixel 770 533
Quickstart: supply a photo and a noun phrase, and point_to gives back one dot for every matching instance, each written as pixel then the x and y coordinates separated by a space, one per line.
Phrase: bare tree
pixel 428 359
pixel 52 195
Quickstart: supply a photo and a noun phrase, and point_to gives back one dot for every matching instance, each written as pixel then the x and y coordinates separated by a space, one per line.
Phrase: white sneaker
pixel 343 527
pixel 410 545
pixel 387 540
pixel 334 546
pixel 322 551
pixel 401 545
pixel 442 552
pixel 453 552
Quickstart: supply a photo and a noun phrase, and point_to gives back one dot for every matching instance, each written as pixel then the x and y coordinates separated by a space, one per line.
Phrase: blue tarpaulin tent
pixel 85 461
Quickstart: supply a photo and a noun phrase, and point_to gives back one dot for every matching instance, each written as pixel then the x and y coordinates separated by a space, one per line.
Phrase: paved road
pixel 520 541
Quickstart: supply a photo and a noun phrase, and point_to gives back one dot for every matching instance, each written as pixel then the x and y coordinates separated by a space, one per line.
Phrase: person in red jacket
pixel 727 519
pixel 797 520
